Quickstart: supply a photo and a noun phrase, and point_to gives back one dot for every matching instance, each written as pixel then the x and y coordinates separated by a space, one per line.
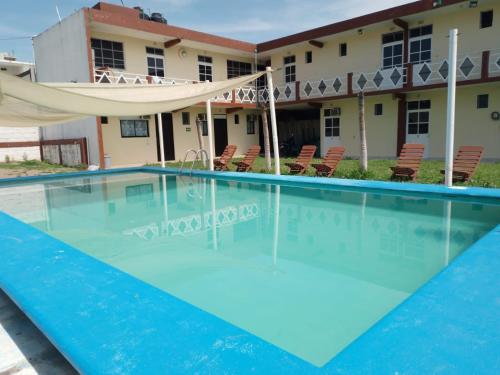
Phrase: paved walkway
pixel 24 350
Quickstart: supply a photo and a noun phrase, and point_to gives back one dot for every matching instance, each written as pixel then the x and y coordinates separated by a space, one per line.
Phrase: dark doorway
pixel 168 136
pixel 220 135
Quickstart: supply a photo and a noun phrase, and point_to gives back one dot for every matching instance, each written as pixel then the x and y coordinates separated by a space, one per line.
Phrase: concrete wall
pixel 381 130
pixel 19 135
pixel 139 151
pixel 473 126
pixel 61 56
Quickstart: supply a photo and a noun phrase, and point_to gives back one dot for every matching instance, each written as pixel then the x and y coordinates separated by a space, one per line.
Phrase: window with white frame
pixel 132 128
pixel 420 44
pixel 155 59
pixel 418 116
pixel 205 68
pixel 251 119
pixel 332 122
pixel 202 117
pixel 107 54
pixel 289 68
pixel 392 50
pixel 238 69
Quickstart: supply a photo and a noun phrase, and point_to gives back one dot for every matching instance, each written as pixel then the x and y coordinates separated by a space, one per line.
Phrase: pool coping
pixel 466 287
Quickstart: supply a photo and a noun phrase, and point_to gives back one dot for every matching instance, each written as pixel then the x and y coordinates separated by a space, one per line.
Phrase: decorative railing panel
pixel 437 72
pixel 324 87
pixel 494 64
pixel 382 79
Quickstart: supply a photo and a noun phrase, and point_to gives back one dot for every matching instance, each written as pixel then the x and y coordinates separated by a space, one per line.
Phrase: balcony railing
pixel 469 68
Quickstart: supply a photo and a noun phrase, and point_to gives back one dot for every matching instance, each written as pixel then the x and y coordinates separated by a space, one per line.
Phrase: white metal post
pixel 274 129
pixel 210 136
pixel 160 135
pixel 450 119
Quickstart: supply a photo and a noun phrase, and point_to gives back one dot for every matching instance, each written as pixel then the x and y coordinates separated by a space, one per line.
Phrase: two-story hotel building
pixel 397 57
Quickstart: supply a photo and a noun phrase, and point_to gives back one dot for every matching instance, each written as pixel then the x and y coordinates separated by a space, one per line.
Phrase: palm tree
pixel 265 131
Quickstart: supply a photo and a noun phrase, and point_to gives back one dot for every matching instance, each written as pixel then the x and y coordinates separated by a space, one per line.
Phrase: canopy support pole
pixel 160 135
pixel 272 111
pixel 450 118
pixel 210 136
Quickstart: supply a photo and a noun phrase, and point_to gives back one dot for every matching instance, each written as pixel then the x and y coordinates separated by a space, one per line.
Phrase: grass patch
pixel 487 175
pixel 34 167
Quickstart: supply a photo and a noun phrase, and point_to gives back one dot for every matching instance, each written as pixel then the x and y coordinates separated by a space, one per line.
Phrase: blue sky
pixel 262 20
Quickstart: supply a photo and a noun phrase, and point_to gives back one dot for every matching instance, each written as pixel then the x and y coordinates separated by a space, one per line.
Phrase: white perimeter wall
pixel 19 135
pixel 61 56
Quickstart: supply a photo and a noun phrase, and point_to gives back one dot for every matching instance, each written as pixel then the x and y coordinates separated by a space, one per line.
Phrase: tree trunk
pixel 267 146
pixel 363 152
pixel 200 140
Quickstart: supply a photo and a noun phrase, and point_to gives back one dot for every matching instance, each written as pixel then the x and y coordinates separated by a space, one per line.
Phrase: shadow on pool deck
pixel 23 348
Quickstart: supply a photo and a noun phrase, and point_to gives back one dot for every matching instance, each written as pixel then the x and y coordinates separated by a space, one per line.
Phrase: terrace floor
pixel 24 350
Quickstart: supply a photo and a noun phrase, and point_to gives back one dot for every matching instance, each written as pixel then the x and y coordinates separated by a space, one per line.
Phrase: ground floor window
pixel 134 128
pixel 251 119
pixel 332 123
pixel 202 117
pixel 418 116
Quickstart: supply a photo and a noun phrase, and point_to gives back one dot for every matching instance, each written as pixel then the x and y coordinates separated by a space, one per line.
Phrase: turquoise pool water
pixel 308 270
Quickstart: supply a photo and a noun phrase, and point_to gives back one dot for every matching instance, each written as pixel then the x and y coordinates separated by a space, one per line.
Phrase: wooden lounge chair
pixel 466 162
pixel 303 160
pixel 408 162
pixel 330 162
pixel 246 164
pixel 221 163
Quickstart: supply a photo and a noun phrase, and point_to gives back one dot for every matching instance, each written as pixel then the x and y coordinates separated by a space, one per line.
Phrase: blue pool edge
pixel 463 293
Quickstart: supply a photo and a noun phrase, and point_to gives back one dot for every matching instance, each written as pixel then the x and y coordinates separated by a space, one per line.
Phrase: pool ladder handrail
pixel 197 153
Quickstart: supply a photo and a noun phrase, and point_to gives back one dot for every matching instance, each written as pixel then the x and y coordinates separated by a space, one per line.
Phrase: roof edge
pixel 354 23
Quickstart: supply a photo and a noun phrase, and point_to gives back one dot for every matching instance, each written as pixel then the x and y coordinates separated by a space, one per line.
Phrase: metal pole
pixel 214 214
pixel 210 137
pixel 160 135
pixel 450 119
pixel 276 223
pixel 274 129
pixel 165 203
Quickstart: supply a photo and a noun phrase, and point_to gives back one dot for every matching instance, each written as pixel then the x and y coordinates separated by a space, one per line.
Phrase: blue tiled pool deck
pixel 105 321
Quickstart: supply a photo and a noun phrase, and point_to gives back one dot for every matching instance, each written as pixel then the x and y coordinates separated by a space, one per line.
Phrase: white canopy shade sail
pixel 24 103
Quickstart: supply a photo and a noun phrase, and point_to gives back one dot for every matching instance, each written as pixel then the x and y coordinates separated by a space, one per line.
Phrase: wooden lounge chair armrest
pixel 457 172
pixel 295 165
pixel 219 162
pixel 403 170
pixel 321 166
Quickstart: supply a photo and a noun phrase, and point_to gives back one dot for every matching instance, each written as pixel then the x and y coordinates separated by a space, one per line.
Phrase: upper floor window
pixel 238 69
pixel 205 68
pixel 420 44
pixel 343 49
pixel 392 50
pixel 262 80
pixel 486 19
pixel 289 67
pixel 155 61
pixel 309 57
pixel 108 54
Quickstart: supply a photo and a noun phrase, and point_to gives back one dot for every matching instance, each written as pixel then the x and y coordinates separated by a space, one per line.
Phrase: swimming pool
pixel 307 269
